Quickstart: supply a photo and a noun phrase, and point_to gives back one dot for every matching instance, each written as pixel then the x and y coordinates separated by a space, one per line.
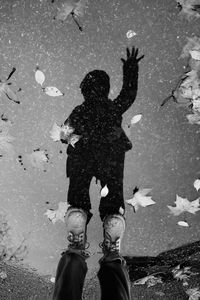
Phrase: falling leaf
pixel 55 132
pixel 197 184
pixel 39 76
pixel 195 54
pixel 183 223
pixel 37 159
pixel 136 119
pixel 194 294
pixel 104 191
pixel 194 118
pixel 150 280
pixel 182 205
pixel 130 34
pixel 140 199
pixel 59 214
pixel 52 91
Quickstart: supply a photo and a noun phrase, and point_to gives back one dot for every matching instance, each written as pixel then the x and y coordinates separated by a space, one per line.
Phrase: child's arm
pixel 130 81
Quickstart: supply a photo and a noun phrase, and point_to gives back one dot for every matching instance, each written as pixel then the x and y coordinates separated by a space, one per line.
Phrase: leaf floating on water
pixel 197 184
pixel 55 132
pixel 140 198
pixel 189 9
pixel 59 214
pixel 183 223
pixel 182 205
pixel 65 11
pixel 6 146
pixel 79 8
pixel 38 158
pixel 136 119
pixel 195 54
pixel 104 191
pixel 8 92
pixel 52 91
pixel 194 118
pixel 130 34
pixel 121 210
pixel 39 76
pixel 67 135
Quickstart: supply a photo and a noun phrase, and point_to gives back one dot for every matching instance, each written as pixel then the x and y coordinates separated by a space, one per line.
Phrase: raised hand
pixel 130 65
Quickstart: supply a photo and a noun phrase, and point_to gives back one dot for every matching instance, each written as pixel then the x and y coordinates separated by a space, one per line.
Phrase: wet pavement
pixel 165 154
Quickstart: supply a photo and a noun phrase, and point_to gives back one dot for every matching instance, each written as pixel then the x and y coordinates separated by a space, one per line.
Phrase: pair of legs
pixel 109 170
pixel 72 268
pixel 71 273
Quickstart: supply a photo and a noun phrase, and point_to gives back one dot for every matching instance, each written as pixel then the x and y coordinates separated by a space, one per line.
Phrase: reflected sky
pixel 165 154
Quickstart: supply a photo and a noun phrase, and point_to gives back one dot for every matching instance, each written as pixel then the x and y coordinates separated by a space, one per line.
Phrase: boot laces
pixel 110 246
pixel 77 242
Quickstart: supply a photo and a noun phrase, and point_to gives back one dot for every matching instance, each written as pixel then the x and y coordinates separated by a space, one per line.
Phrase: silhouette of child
pixel 100 150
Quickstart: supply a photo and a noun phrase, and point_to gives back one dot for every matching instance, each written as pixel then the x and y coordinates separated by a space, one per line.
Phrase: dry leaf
pixel 121 210
pixel 52 91
pixel 197 184
pixel 192 44
pixel 194 118
pixel 6 146
pixel 37 159
pixel 182 205
pixel 59 214
pixel 149 280
pixel 67 135
pixel 183 223
pixel 136 119
pixel 39 76
pixel 79 8
pixel 194 294
pixel 130 34
pixel 140 199
pixel 189 9
pixel 55 132
pixel 65 10
pixel 104 191
pixel 182 274
pixel 195 54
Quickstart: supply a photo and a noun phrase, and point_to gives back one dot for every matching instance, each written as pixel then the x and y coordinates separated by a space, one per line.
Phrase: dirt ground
pixel 21 283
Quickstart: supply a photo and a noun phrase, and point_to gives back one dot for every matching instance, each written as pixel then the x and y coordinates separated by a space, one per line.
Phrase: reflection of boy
pixel 100 149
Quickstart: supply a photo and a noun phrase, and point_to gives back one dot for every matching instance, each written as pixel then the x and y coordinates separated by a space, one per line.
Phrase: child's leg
pixel 114 281
pixel 80 176
pixel 71 272
pixel 112 174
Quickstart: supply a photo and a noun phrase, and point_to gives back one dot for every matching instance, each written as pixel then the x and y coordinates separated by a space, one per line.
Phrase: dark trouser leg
pixel 80 176
pixel 114 281
pixel 111 172
pixel 71 272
